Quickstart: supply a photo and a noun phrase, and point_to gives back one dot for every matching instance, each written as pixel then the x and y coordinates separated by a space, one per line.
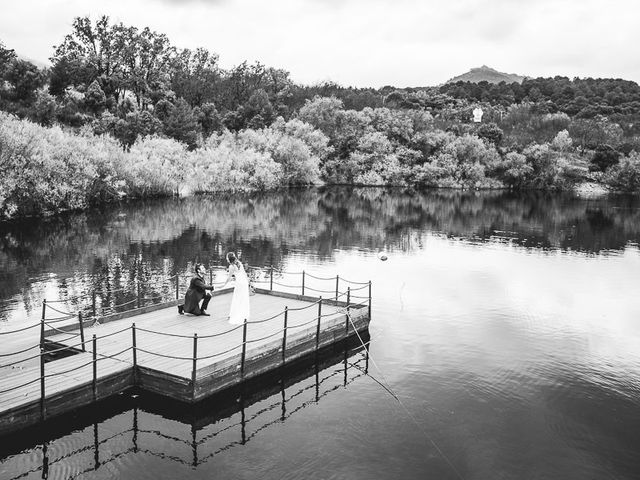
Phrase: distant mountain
pixel 487 74
pixel 37 63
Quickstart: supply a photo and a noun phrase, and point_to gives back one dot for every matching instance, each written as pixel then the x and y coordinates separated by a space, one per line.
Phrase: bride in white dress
pixel 240 302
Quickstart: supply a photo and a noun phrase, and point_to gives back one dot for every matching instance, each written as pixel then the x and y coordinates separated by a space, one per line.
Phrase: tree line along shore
pixel 123 114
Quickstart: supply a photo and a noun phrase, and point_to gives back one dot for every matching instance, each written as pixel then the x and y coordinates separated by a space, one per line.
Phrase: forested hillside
pixel 123 113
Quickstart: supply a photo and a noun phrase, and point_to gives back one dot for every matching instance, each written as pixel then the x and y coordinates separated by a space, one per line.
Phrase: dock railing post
pixel 195 358
pixel 318 325
pixel 337 282
pixel 138 292
pixel 210 276
pixel 284 333
pixel 44 314
pixel 42 392
pixel 177 286
pixel 302 282
pixel 94 343
pixel 93 304
pixel 81 331
pixel 369 299
pixel 244 348
pixel 348 318
pixel 271 279
pixel 134 348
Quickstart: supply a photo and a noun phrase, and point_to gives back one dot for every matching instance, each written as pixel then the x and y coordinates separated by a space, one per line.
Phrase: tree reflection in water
pixel 141 243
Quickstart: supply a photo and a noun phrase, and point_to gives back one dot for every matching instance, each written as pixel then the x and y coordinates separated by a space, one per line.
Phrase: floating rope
pixel 395 396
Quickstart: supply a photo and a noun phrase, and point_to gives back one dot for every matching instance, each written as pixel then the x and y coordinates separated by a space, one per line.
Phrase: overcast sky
pixel 365 43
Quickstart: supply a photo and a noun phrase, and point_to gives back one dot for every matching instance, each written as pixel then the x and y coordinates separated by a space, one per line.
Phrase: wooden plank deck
pixel 164 353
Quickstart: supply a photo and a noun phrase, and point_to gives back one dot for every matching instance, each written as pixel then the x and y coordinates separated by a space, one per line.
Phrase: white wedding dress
pixel 240 302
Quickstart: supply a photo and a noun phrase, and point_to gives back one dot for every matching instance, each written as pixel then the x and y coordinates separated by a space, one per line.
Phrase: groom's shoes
pixel 204 314
pixel 181 309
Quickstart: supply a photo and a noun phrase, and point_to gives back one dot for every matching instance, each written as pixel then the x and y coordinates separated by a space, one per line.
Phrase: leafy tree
pixel 6 57
pixel 490 132
pixel 603 158
pixel 24 79
pixel 94 98
pixel 182 125
pixel 625 176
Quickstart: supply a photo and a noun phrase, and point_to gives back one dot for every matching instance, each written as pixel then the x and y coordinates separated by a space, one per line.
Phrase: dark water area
pixel 507 325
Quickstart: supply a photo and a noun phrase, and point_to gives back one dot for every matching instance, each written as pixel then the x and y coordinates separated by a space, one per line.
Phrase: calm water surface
pixel 507 325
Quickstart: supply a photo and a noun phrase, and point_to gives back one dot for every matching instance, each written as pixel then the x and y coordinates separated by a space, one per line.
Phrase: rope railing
pixel 60 319
pixel 106 335
pixel 359 288
pixel 113 355
pixel 264 338
pixel 21 329
pixel 285 285
pixel 365 284
pixel 206 357
pixel 233 329
pixel 319 278
pixel 22 360
pixel 59 311
pixel 298 309
pixel 164 356
pixel 20 386
pixel 55 374
pixel 19 352
pixel 319 291
pixel 61 331
pixel 313 320
pixel 264 319
pixel 166 334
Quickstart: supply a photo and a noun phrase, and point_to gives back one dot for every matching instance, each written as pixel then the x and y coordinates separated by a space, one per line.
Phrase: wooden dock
pixel 126 425
pixel 183 357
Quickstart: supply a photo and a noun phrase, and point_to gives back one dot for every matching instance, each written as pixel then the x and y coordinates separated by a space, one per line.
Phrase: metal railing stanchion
pixel 284 333
pixel 195 358
pixel 94 343
pixel 318 325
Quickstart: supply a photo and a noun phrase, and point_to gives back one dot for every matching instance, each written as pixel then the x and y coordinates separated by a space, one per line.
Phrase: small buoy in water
pixel 382 256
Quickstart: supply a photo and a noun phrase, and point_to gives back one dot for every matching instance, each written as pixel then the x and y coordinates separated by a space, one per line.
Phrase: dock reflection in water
pixel 104 437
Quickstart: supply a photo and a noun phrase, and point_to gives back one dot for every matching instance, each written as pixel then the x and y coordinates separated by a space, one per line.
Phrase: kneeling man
pixel 196 293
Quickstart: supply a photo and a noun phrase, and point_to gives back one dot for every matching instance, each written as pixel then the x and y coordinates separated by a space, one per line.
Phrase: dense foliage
pixel 124 113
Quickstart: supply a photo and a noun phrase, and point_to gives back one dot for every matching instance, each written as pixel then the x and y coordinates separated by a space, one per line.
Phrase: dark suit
pixel 197 291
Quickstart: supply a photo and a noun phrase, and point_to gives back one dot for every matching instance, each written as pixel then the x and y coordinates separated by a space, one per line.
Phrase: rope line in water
pixel 395 396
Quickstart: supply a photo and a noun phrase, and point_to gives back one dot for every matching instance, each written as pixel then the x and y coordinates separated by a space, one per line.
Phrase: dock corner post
pixel 302 282
pixel 94 344
pixel 44 314
pixel 81 331
pixel 134 351
pixel 318 325
pixel 177 286
pixel 43 410
pixel 347 313
pixel 244 348
pixel 337 283
pixel 195 359
pixel 271 279
pixel 369 299
pixel 284 333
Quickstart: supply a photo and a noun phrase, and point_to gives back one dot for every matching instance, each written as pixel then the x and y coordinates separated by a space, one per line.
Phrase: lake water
pixel 506 325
